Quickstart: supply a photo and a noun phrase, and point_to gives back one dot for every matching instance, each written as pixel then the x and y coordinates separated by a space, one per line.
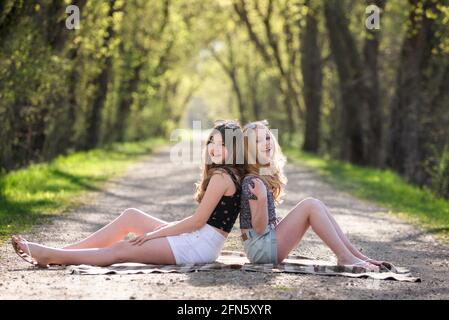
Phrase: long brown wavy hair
pixel 233 164
pixel 275 177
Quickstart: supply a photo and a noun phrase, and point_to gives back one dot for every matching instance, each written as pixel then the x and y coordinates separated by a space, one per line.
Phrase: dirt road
pixel 161 188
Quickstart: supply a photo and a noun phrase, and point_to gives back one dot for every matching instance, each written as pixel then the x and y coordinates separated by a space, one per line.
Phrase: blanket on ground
pixel 233 260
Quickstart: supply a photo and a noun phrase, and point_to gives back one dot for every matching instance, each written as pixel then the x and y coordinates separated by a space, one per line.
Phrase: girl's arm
pixel 259 206
pixel 216 188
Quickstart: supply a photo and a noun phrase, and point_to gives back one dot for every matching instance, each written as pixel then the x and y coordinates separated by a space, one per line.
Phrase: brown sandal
pixel 25 256
pixel 384 265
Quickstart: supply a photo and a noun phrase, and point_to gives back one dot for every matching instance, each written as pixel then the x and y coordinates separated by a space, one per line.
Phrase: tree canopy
pixel 134 69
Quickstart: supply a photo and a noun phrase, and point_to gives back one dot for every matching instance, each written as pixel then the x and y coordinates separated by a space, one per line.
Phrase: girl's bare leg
pixel 131 220
pixel 306 213
pixel 343 236
pixel 156 251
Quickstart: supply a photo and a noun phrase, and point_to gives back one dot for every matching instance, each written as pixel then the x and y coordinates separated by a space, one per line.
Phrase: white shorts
pixel 200 246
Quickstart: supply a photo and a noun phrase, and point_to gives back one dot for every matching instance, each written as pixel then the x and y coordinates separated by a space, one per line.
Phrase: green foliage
pixel 32 195
pixel 438 168
pixel 50 77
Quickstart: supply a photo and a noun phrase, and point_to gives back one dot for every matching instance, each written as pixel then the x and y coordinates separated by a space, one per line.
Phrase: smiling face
pixel 223 150
pixel 264 157
pixel 265 145
pixel 262 152
pixel 216 149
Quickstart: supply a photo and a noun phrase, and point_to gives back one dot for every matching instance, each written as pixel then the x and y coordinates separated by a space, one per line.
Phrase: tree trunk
pixel 94 117
pixel 374 112
pixel 410 101
pixel 312 77
pixel 285 87
pixel 230 68
pixel 126 100
pixel 252 80
pixel 60 136
pixel 349 68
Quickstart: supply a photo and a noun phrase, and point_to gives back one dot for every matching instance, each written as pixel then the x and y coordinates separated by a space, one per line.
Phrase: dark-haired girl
pixel 198 238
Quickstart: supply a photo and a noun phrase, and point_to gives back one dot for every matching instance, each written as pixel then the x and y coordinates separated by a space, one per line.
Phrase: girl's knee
pixel 310 203
pixel 130 212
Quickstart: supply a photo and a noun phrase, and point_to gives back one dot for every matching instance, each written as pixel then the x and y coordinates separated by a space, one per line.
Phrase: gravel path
pixel 163 189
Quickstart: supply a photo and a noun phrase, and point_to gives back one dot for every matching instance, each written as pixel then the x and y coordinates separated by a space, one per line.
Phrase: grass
pixel 34 194
pixel 417 205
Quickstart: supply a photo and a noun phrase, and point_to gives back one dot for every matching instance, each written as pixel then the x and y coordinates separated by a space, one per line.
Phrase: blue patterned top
pixel 245 212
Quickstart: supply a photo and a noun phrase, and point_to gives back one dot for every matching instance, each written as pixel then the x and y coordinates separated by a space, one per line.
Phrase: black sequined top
pixel 228 208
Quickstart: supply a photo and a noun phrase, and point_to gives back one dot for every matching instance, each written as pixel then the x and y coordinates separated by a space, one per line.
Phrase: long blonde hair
pixel 276 179
pixel 231 165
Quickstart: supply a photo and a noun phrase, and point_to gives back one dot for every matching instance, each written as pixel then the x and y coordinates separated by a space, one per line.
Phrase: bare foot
pixel 356 262
pixel 375 262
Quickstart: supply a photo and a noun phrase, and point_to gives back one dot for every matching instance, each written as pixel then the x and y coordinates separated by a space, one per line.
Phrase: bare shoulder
pixel 222 177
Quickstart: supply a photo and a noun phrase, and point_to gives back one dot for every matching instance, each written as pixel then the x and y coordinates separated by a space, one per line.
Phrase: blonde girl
pixel 266 239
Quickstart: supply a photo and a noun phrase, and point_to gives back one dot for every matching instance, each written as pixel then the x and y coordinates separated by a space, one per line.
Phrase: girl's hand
pixel 257 188
pixel 137 241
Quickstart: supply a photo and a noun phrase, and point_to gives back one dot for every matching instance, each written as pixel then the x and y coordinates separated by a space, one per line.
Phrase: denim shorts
pixel 261 248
